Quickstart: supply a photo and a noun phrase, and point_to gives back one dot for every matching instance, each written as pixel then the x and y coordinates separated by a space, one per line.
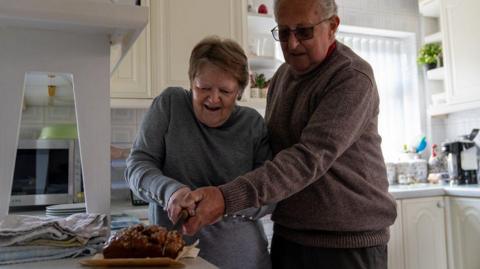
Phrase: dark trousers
pixel 290 255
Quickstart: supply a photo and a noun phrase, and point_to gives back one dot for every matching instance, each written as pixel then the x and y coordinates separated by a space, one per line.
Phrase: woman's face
pixel 214 95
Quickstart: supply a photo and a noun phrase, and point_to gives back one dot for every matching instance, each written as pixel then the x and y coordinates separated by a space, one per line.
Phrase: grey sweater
pixel 173 149
pixel 328 170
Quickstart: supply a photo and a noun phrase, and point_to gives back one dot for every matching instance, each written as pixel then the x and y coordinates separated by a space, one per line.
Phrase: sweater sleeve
pixel 349 104
pixel 143 173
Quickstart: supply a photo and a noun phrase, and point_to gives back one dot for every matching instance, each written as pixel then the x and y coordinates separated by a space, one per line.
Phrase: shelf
pixel 254 14
pixel 445 109
pixel 256 103
pixel 264 62
pixel 433 38
pixel 436 74
pixel 429 8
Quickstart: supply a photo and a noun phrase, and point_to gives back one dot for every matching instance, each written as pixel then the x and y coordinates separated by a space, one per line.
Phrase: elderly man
pixel 328 174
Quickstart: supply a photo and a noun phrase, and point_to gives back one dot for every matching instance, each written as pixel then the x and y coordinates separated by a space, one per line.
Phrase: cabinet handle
pixel 440 204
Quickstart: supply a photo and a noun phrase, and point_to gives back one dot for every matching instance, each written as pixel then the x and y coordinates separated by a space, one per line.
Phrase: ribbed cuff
pixel 237 195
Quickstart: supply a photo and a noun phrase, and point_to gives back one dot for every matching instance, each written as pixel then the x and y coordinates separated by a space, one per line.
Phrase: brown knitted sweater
pixel 328 175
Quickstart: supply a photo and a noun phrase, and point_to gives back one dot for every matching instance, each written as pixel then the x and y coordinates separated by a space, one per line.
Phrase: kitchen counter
pixel 197 263
pixel 429 190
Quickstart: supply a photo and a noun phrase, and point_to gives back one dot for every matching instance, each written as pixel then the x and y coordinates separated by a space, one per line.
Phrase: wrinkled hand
pixel 174 205
pixel 209 206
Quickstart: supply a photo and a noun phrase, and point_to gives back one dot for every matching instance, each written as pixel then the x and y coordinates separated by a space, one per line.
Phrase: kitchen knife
pixel 182 218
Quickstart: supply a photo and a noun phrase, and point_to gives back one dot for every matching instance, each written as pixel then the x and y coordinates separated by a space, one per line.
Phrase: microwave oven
pixel 46 172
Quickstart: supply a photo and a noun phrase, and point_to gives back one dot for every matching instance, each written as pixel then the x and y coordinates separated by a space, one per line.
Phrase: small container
pixel 421 170
pixel 402 179
pixel 406 169
pixel 254 93
pixel 391 173
pixel 263 92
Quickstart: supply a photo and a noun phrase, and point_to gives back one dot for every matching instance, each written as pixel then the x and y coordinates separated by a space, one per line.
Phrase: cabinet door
pixel 395 245
pixel 180 24
pixel 132 78
pixel 424 238
pixel 461 51
pixel 465 221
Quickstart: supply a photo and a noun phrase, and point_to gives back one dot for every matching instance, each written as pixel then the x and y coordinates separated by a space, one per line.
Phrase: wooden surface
pixel 146 262
pixel 195 263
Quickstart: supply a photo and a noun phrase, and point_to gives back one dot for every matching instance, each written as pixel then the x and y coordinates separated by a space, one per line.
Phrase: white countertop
pixel 196 263
pixel 428 190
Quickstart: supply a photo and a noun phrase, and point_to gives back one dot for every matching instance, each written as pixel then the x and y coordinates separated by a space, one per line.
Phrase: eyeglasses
pixel 281 33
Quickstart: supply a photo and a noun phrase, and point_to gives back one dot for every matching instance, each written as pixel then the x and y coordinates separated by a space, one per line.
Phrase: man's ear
pixel 334 23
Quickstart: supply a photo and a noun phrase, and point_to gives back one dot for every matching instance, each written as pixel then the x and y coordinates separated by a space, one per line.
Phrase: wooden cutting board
pixel 98 260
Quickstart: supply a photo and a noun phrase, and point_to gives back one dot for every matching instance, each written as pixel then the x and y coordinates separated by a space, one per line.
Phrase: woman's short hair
pixel 225 54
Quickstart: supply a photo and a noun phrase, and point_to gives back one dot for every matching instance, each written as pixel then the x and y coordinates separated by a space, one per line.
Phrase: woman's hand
pixel 174 205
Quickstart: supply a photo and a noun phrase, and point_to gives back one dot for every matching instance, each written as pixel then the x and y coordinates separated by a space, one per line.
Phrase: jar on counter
pixel 413 167
pixel 391 173
pixel 421 170
pixel 405 170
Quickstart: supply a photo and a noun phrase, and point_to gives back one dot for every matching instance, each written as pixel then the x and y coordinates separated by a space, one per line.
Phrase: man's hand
pixel 174 205
pixel 210 206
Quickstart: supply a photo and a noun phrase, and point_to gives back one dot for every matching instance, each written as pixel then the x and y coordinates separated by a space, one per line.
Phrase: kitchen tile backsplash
pixel 456 124
pixel 124 122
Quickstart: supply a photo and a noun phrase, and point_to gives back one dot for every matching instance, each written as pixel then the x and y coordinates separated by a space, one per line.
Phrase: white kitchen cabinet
pixel 461 50
pixel 180 24
pixel 465 233
pixel 424 233
pixel 396 257
pixel 132 79
pixel 460 83
pixel 160 57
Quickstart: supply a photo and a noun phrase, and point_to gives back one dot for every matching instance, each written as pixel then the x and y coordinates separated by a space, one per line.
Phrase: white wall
pixel 399 15
pixel 459 123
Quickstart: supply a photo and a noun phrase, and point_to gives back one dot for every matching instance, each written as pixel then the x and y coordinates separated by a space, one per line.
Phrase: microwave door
pixel 42 174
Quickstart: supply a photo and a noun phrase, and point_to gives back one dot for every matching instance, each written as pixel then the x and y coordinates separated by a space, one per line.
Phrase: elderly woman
pixel 200 137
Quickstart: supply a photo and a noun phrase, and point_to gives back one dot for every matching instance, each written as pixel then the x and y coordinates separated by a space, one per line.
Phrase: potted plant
pixel 430 55
pixel 258 85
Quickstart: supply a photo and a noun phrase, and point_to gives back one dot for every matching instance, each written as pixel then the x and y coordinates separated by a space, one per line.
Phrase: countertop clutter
pixel 117 207
pixel 429 190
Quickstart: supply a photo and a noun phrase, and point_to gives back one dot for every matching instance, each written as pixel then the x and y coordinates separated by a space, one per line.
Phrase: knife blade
pixel 182 218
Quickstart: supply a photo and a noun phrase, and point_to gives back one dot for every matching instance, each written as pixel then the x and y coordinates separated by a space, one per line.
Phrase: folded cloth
pixel 21 254
pixel 120 221
pixel 80 227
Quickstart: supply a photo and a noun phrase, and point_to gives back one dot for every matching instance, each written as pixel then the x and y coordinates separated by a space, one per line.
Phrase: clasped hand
pixel 205 205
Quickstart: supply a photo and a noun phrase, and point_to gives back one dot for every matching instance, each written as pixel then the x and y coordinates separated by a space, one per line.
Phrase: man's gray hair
pixel 329 7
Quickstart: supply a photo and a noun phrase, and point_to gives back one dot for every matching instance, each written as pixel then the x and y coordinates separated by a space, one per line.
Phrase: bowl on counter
pixel 59 131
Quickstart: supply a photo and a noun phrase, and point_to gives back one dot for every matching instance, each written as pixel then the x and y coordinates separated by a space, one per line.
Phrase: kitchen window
pixel 393 61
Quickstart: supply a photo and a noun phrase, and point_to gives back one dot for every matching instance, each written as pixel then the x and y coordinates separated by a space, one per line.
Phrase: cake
pixel 140 241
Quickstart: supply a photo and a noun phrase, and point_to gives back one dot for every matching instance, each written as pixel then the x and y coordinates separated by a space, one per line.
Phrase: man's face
pixel 302 55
